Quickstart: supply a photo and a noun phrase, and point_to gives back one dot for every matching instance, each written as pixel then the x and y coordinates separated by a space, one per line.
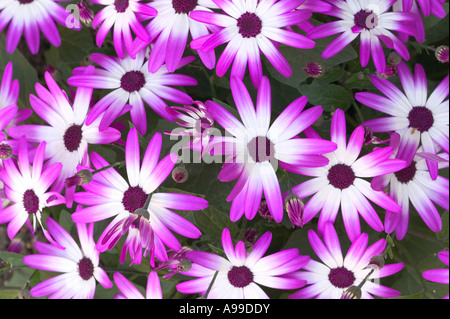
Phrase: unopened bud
pixel 313 69
pixel 86 14
pixel 394 58
pixel 180 174
pixel 442 54
pixel 184 265
pixel 83 177
pixel 250 235
pixel 264 211
pixel 353 292
pixel 376 262
pixel 295 207
pixel 389 71
pixel 5 151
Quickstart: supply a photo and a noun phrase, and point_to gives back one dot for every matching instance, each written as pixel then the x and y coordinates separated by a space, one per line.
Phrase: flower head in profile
pixel 30 18
pixel 196 122
pixel 419 118
pixel 255 147
pixel 341 183
pixel 67 135
pixel 26 188
pixel 373 23
pixel 440 275
pixel 129 291
pixel 140 212
pixel 335 274
pixel 413 185
pixel 250 27
pixel 132 85
pixel 241 274
pixel 124 16
pixel 78 264
pixel 170 32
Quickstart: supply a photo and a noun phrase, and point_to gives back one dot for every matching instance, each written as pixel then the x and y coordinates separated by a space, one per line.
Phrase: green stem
pixel 210 285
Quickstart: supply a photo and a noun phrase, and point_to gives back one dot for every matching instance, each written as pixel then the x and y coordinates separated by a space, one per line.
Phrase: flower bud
pixel 5 151
pixel 83 177
pixel 294 207
pixel 86 14
pixel 442 54
pixel 353 292
pixel 389 71
pixel 376 262
pixel 264 211
pixel 250 235
pixel 394 58
pixel 313 69
pixel 184 265
pixel 180 174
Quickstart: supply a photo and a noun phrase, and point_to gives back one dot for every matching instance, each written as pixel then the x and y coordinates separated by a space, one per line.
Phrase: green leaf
pixel 212 222
pixel 329 96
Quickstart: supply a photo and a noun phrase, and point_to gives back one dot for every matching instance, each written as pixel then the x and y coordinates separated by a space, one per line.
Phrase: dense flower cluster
pixel 92 150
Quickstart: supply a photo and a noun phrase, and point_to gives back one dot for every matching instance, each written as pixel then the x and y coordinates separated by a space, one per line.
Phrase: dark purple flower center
pixel 121 5
pixel 341 176
pixel 249 25
pixel 85 268
pixel 133 198
pixel 184 6
pixel 420 118
pixel 72 137
pixel 366 19
pixel 341 277
pixel 25 1
pixel 407 174
pixel 30 201
pixel 261 149
pixel 132 81
pixel 240 276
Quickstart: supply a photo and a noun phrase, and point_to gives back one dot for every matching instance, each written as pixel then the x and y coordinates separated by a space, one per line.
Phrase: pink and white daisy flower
pixel 79 264
pixel 170 31
pixel 26 189
pixel 255 147
pixel 330 278
pixel 439 275
pixel 67 135
pixel 419 118
pixel 372 21
pixel 250 27
pixel 132 85
pixel 125 16
pixel 111 195
pixel 29 17
pixel 241 273
pixel 342 184
pixel 413 185
pixel 129 291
